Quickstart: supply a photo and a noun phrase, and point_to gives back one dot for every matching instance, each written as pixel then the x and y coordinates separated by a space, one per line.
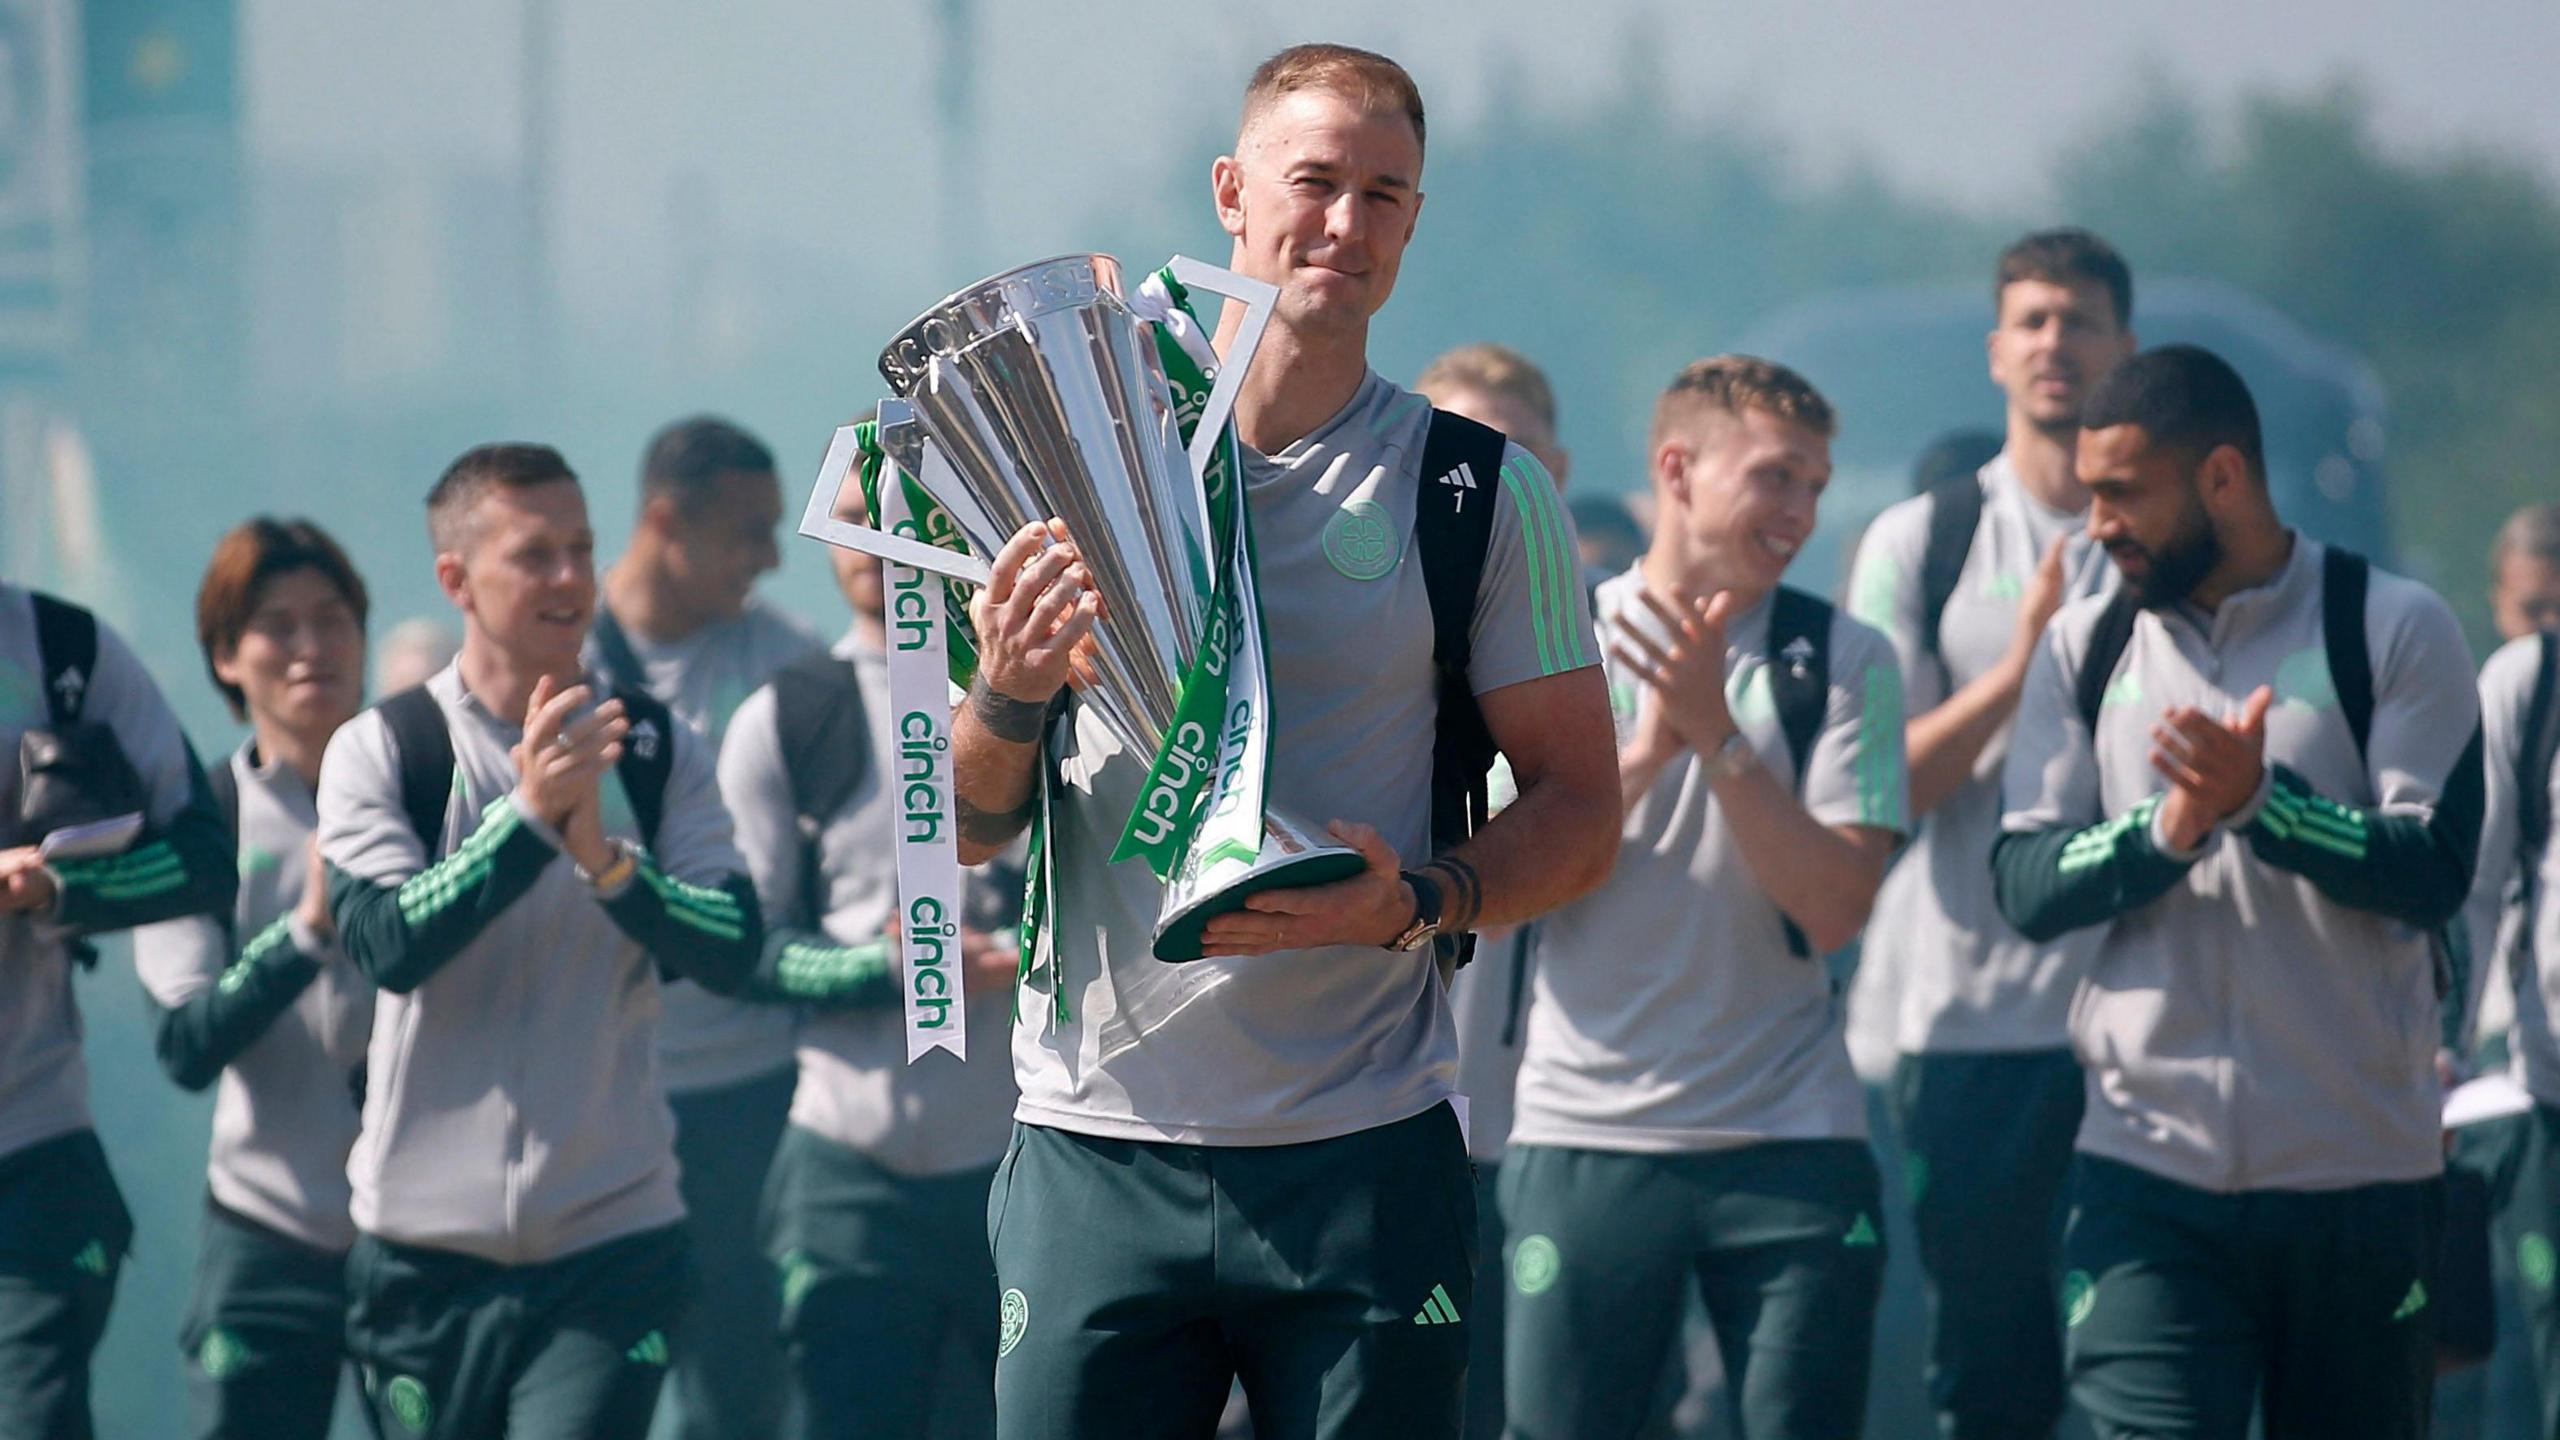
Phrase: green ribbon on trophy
pixel 933 525
pixel 1202 800
pixel 1172 804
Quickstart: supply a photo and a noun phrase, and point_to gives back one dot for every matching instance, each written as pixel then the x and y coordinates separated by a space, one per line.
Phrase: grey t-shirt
pixel 2501 926
pixel 1957 976
pixel 704 1040
pixel 1671 1014
pixel 2243 1031
pixel 1312 1044
pixel 44 1088
pixel 512 1104
pixel 284 1112
pixel 1489 1000
pixel 856 1088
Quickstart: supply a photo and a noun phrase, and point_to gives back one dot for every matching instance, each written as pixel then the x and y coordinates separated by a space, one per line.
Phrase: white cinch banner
pixel 929 895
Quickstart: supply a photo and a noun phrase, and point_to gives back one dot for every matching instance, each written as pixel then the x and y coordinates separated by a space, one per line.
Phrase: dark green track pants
pixel 2187 1310
pixel 1784 1240
pixel 888 1294
pixel 63 1236
pixel 726 1381
pixel 1987 1162
pixel 453 1347
pixel 1332 1278
pixel 266 1336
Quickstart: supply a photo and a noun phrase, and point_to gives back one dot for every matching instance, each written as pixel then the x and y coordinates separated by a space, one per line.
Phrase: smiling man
pixel 515 865
pixel 2254 774
pixel 1248 1166
pixel 1687 1113
pixel 264 1001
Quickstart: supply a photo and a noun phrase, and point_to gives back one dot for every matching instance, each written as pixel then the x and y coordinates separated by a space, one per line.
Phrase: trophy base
pixel 1178 931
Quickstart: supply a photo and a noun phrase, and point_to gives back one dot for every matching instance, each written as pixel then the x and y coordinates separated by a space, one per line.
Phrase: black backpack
pixel 2535 750
pixel 67 650
pixel 826 746
pixel 1800 682
pixel 417 726
pixel 617 664
pixel 2539 743
pixel 1955 512
pixel 225 785
pixel 1461 458
pixel 2343 578
pixel 71 769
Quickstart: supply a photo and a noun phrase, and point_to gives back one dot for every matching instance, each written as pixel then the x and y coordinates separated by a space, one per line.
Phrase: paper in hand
pixel 92 840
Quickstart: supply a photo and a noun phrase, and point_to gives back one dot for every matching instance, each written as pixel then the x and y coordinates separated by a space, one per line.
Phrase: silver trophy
pixel 1037 393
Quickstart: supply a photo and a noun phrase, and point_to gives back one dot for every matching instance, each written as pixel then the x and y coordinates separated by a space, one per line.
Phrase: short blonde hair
pixel 1365 78
pixel 1497 371
pixel 1732 384
pixel 2533 532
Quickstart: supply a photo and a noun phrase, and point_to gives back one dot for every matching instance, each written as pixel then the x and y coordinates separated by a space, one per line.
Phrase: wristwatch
pixel 1731 758
pixel 1426 912
pixel 616 873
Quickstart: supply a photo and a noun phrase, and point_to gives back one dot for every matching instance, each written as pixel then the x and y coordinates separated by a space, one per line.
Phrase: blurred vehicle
pixel 1904 365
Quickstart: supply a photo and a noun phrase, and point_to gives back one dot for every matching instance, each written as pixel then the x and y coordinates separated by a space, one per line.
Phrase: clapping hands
pixel 2213 766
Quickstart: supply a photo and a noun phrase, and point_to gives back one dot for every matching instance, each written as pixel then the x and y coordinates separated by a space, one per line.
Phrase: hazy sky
pixel 777 122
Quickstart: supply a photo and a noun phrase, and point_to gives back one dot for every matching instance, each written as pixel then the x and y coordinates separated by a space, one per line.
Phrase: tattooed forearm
pixel 1463 893
pixel 1017 722
pixel 986 827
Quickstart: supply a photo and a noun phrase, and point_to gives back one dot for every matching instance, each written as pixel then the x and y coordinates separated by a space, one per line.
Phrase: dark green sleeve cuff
pixel 187 870
pixel 709 934
pixel 2413 868
pixel 197 1039
pixel 803 967
pixel 2053 881
pixel 400 935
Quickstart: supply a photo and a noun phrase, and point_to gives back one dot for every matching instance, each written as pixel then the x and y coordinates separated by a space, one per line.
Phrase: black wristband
pixel 1017 722
pixel 1466 900
pixel 1428 903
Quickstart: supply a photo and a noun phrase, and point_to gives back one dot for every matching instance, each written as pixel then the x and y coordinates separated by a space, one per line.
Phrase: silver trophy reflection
pixel 1035 394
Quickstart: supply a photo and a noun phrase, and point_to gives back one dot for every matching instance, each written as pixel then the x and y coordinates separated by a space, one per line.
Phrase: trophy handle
pixel 904 440
pixel 1259 300
pixel 819 522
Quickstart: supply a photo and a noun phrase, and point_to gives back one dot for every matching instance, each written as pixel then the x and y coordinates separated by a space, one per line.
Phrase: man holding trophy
pixel 1248 1166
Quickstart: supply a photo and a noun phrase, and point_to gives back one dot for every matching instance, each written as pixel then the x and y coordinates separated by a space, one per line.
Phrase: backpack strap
pixel 2343 577
pixel 1461 461
pixel 1800 683
pixel 2540 743
pixel 648 758
pixel 2107 644
pixel 825 742
pixel 426 760
pixel 67 647
pixel 417 727
pixel 825 735
pixel 620 664
pixel 1955 512
pixel 1524 943
pixel 224 782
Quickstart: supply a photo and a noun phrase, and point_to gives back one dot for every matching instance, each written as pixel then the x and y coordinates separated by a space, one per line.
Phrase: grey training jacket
pixel 513 1109
pixel 2261 1014
pixel 285 1108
